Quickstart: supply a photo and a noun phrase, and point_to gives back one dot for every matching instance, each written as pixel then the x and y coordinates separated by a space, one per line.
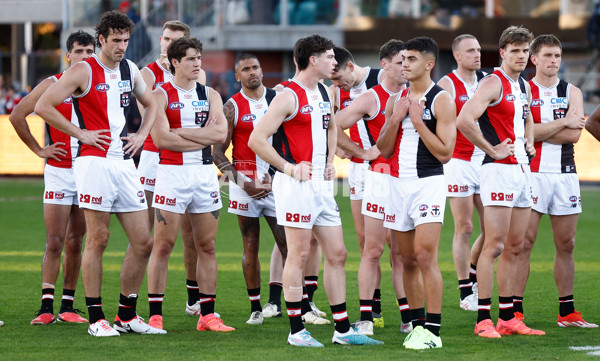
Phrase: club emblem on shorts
pixel 535 200
pixel 176 105
pixel 337 209
pixel 102 87
pixel 214 194
pixel 435 211
pixel 426 114
pixel 463 98
pixel 307 109
pixel 248 118
pixel 573 199
pixel 510 97
pixel 124 100
pixel 140 194
pixel 423 207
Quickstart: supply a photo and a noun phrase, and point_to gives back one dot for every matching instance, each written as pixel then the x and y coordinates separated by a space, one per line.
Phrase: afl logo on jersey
pixel 536 103
pixel 249 118
pixel 102 87
pixel 510 97
pixel 157 84
pixel 346 103
pixel 307 109
pixel 463 98
pixel 176 105
pixel 69 100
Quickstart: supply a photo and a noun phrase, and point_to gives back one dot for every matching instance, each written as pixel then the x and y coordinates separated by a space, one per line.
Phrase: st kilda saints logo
pixel 326 118
pixel 201 118
pixel 125 100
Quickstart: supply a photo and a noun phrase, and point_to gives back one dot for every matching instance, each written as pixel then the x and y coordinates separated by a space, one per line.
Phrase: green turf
pixel 21 249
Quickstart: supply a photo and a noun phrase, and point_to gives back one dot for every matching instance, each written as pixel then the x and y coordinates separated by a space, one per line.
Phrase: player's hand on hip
pixel 504 149
pixel 96 138
pixel 134 143
pixel 329 173
pixel 53 151
pixel 303 171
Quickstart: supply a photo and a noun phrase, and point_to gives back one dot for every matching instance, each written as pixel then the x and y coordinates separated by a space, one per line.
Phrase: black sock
pixel 94 305
pixel 473 273
pixel 517 304
pixel 312 283
pixel 275 289
pixel 305 306
pixel 566 305
pixel 505 308
pixel 294 314
pixel 66 304
pixel 47 300
pixel 465 287
pixel 340 318
pixel 155 300
pixel 377 301
pixel 207 304
pixel 433 323
pixel 418 317
pixel 254 295
pixel 405 313
pixel 127 306
pixel 483 309
pixel 192 291
pixel 366 310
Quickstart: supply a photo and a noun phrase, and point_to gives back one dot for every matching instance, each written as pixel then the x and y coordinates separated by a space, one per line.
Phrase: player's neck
pixel 107 62
pixel 254 94
pixel 418 87
pixel 545 80
pixel 393 86
pixel 514 75
pixel 361 73
pixel 467 75
pixel 308 79
pixel 184 83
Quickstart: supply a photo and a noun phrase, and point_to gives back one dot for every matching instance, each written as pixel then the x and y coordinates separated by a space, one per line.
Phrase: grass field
pixel 21 248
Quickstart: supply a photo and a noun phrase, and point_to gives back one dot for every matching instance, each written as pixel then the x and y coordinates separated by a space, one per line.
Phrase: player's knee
pixel 338 257
pixel 251 245
pixel 207 247
pixel 410 263
pixel 54 245
pixel 373 253
pixel 162 248
pixel 566 246
pixel 465 229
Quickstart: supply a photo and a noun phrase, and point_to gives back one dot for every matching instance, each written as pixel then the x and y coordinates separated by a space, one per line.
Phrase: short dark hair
pixel 176 25
pixel 179 47
pixel 81 37
pixel 391 48
pixel 115 20
pixel 424 45
pixel 514 35
pixel 460 38
pixel 309 46
pixel 243 56
pixel 342 57
pixel 544 40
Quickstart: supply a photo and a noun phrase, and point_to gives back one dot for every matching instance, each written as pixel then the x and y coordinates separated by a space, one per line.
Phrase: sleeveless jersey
pixel 248 113
pixel 412 158
pixel 161 76
pixel 463 91
pixel 103 104
pixel 373 127
pixel 358 131
pixel 55 136
pixel 304 134
pixel 506 119
pixel 186 109
pixel 547 105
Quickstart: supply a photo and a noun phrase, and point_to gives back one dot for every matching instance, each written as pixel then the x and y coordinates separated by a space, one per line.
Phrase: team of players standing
pixel 514 139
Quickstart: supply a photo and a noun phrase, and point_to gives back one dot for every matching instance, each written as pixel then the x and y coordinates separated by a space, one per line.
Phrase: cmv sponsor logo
pixel 307 109
pixel 248 118
pixel 124 85
pixel 200 103
pixel 102 87
pixel 561 101
pixel 158 84
pixel 176 105
pixel 426 114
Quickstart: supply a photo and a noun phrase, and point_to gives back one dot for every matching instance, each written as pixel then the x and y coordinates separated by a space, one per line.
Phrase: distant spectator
pixel 129 9
pixel 237 12
pixel 12 97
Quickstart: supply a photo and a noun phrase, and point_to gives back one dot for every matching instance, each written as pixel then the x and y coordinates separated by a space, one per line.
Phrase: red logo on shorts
pixel 502 197
pixel 59 195
pixel 236 205
pixel 142 179
pixel 455 188
pixel 163 200
pixel 86 198
pixel 372 207
pixel 296 217
pixel 150 182
pixel 352 190
pixel 390 218
pixel 49 195
pixel 535 199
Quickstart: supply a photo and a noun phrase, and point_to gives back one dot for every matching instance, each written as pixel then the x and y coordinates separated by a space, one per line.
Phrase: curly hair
pixel 113 20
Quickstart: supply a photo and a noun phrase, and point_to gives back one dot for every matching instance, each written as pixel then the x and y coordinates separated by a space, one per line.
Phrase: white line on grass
pixel 584 348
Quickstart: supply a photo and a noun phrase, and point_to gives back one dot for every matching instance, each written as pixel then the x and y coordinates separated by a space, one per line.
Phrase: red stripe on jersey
pixel 345 100
pixel 298 130
pixel 536 114
pixel 244 159
pixel 66 109
pixel 463 148
pixel 374 126
pixel 393 161
pixel 159 79
pixel 174 116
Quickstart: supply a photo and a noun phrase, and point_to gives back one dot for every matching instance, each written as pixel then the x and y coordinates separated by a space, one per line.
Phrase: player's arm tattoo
pixel 229 111
pixel 160 217
pixel 215 214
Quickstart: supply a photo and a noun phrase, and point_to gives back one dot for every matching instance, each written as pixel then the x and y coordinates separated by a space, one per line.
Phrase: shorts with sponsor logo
pixel 415 201
pixel 108 185
pixel 462 177
pixel 242 204
pixel 376 194
pixel 556 194
pixel 304 204
pixel 193 187
pixel 147 169
pixel 356 180
pixel 506 185
pixel 59 186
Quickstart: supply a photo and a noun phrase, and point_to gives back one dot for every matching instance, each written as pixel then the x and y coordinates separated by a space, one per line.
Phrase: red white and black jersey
pixel 160 76
pixel 464 91
pixel 186 109
pixel 548 105
pixel 103 104
pixel 358 131
pixel 55 136
pixel 248 113
pixel 304 134
pixel 373 127
pixel 412 158
pixel 506 119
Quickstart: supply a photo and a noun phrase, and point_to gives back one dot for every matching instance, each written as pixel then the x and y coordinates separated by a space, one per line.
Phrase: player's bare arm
pixel 574 121
pixel 143 93
pixel 74 81
pixel 161 134
pixel 592 124
pixel 280 108
pixel 440 144
pixel 488 92
pixel 208 135
pixel 529 148
pixel 395 112
pixel 332 131
pixel 334 100
pixel 149 81
pixel 363 106
pixel 19 122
